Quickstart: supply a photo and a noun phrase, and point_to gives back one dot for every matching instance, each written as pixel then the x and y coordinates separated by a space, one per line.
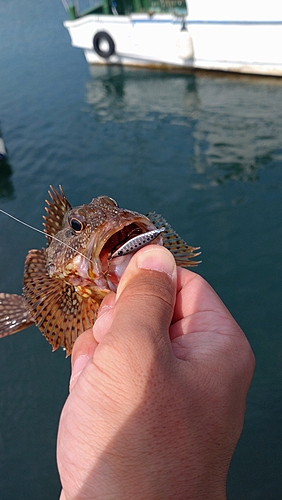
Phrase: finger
pixel 107 302
pixel 204 329
pixel 200 311
pixel 138 317
pixel 151 258
pixel 83 350
pixel 105 317
pixel 85 345
pixel 195 295
pixel 145 300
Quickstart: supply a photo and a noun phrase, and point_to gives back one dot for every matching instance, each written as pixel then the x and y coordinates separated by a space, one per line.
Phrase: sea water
pixel 203 150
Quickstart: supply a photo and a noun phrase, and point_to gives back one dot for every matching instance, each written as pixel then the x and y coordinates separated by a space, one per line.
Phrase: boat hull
pixel 139 40
pixel 165 40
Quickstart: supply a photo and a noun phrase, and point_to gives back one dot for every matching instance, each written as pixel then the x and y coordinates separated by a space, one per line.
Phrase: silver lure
pixel 139 241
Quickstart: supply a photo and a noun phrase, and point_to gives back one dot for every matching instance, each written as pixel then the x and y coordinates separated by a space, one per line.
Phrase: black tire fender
pixel 97 41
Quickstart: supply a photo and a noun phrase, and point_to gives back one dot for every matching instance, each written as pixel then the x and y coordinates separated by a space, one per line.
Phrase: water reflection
pixel 6 186
pixel 123 95
pixel 234 121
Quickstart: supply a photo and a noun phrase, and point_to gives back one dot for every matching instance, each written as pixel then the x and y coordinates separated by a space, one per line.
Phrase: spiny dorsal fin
pixel 56 210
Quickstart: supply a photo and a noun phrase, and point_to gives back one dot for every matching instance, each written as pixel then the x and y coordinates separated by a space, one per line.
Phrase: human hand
pixel 158 390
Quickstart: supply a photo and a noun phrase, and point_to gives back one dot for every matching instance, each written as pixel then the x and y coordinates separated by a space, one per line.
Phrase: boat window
pixel 126 7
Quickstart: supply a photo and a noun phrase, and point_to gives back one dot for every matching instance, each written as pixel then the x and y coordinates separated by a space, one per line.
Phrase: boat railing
pixel 126 7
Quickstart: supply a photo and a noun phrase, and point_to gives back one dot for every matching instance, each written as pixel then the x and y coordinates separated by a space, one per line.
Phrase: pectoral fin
pixel 58 310
pixel 14 314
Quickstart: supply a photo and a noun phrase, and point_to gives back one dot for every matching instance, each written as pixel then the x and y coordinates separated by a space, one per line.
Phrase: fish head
pixel 82 252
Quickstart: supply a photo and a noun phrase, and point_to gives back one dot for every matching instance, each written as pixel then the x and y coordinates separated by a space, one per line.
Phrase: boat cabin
pixel 126 7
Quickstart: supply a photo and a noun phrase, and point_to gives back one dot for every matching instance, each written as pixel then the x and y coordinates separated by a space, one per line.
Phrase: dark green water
pixel 204 151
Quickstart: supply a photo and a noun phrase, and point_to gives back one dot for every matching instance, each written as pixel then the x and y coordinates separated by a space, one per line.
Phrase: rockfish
pixel 88 249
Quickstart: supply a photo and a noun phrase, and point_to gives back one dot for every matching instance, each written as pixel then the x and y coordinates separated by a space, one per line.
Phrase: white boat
pixel 243 36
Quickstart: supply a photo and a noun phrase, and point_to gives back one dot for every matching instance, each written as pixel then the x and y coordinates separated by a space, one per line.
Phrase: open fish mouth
pixel 115 250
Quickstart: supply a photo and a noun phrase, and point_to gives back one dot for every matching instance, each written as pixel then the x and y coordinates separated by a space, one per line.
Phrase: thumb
pixel 144 301
pixel 137 319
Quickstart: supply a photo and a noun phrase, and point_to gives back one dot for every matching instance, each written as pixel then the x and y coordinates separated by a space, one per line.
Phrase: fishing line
pixel 43 232
pixel 130 246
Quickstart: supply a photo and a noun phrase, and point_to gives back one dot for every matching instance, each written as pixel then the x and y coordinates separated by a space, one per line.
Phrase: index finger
pixel 195 295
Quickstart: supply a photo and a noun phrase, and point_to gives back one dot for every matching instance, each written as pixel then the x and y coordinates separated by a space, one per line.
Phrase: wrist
pixel 154 476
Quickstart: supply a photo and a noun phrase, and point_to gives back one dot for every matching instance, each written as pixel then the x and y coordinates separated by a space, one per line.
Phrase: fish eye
pixel 77 223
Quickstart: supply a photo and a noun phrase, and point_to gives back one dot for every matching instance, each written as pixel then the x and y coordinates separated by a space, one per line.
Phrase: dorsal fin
pixel 182 252
pixel 56 210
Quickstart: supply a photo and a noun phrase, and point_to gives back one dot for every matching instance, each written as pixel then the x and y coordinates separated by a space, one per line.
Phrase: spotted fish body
pixel 88 250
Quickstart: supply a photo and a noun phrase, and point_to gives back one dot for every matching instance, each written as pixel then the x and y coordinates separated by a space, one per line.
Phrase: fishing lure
pixel 139 241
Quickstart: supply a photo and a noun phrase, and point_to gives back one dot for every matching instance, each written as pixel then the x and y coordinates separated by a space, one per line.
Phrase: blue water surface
pixel 203 150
